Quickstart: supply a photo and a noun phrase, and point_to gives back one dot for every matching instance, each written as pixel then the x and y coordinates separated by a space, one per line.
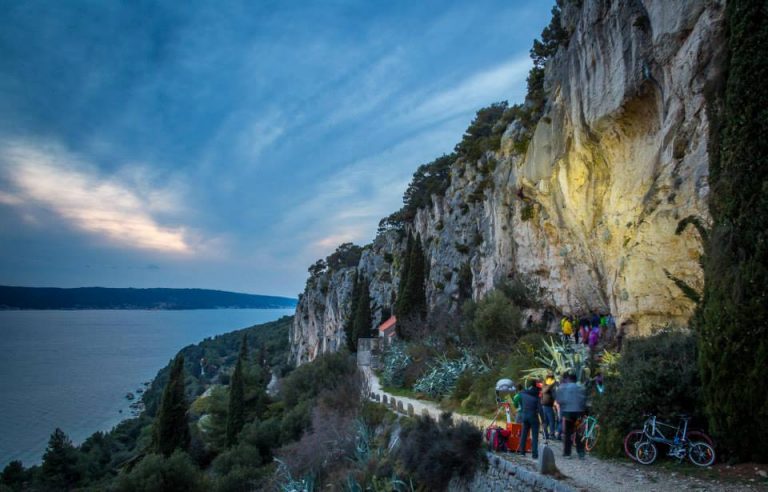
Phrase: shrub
pixel 243 455
pixel 527 212
pixel 328 444
pixel 308 380
pixel 347 255
pixel 433 453
pixel 483 133
pixel 157 473
pixel 522 291
pixel 657 374
pixel 497 322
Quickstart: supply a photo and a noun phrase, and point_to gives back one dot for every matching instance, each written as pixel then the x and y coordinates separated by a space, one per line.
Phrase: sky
pixel 230 144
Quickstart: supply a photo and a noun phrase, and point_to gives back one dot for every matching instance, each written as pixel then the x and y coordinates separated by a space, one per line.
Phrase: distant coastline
pixel 53 298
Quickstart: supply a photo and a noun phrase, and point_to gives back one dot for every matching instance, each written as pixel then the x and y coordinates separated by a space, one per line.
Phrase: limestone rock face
pixel 594 213
pixel 325 306
pixel 620 159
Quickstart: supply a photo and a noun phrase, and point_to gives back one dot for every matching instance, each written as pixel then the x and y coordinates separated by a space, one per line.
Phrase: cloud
pixel 258 137
pixel 472 93
pixel 61 182
pixel 347 205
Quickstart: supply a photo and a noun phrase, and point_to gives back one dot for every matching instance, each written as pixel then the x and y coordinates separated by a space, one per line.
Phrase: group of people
pixel 590 329
pixel 544 402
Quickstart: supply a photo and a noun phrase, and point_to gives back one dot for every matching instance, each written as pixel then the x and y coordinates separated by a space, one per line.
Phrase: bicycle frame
pixel 653 431
pixel 586 423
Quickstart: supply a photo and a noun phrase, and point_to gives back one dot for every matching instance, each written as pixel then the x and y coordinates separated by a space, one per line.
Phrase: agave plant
pixel 289 484
pixel 558 358
pixel 394 362
pixel 609 364
pixel 441 378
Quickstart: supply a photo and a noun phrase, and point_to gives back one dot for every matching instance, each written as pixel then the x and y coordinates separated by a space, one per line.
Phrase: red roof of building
pixel 385 328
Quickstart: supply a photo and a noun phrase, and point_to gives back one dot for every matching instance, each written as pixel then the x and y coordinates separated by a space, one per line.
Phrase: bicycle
pixel 635 436
pixel 588 430
pixel 680 446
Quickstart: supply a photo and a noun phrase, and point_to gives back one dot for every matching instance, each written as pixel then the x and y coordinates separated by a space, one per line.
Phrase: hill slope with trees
pixel 109 298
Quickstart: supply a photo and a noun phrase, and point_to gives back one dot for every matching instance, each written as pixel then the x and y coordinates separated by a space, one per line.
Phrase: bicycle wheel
pixel 701 454
pixel 630 442
pixel 646 453
pixel 700 436
pixel 591 438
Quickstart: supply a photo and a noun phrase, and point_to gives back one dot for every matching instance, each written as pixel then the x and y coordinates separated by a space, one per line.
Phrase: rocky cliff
pixel 601 210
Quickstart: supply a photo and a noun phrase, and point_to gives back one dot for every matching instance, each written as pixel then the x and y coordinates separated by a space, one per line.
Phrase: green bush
pixel 657 375
pixel 240 479
pixel 242 455
pixel 432 453
pixel 497 322
pixel 309 379
pixel 157 473
pixel 484 133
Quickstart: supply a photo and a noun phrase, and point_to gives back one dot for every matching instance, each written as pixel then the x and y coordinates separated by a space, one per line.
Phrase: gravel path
pixel 591 473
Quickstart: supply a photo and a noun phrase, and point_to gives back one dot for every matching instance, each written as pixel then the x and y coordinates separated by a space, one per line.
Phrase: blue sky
pixel 230 144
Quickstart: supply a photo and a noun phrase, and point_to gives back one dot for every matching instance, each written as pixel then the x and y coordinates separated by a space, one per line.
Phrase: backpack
pixel 497 438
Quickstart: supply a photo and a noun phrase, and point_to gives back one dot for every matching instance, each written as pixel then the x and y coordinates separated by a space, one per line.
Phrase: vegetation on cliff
pixel 732 316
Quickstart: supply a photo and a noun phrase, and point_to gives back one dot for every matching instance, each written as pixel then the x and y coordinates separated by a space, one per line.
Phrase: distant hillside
pixel 105 298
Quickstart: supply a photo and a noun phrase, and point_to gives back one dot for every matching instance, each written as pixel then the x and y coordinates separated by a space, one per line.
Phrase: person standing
pixel 531 408
pixel 548 395
pixel 567 328
pixel 517 402
pixel 572 398
pixel 620 336
pixel 585 334
pixel 594 338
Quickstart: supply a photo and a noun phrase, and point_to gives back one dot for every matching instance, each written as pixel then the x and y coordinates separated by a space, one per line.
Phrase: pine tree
pixel 171 430
pixel 59 468
pixel 236 412
pixel 731 320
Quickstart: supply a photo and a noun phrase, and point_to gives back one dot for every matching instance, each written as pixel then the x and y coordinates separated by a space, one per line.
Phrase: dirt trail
pixel 589 474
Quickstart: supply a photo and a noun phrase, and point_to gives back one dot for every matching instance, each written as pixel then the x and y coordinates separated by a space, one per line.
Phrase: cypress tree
pixel 59 468
pixel 349 326
pixel 403 302
pixel 363 317
pixel 731 320
pixel 236 413
pixel 416 278
pixel 171 430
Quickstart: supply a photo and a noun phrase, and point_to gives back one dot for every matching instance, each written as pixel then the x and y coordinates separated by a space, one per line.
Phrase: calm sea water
pixel 72 369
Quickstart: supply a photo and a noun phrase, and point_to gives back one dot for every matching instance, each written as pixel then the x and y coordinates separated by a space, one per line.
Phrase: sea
pixel 73 369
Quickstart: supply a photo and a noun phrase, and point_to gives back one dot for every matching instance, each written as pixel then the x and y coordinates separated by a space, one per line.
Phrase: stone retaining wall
pixel 501 475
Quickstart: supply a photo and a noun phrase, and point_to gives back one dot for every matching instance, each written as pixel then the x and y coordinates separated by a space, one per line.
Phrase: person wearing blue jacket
pixel 531 408
pixel 572 398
